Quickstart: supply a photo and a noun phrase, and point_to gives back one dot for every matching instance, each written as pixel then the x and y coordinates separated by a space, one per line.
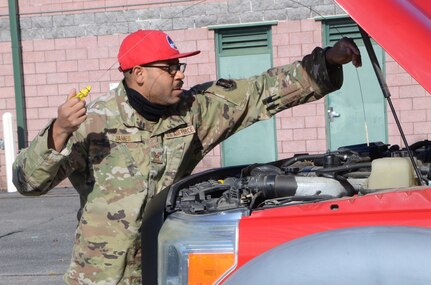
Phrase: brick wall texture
pixel 71 44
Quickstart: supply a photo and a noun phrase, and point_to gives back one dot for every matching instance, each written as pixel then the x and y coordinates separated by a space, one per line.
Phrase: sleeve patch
pixel 227 84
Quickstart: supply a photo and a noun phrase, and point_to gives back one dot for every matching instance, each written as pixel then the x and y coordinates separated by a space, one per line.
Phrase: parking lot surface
pixel 36 236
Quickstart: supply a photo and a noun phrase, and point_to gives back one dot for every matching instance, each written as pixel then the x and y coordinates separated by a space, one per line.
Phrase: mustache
pixel 178 84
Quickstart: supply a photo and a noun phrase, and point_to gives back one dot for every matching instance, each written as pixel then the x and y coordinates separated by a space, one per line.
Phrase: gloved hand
pixel 344 51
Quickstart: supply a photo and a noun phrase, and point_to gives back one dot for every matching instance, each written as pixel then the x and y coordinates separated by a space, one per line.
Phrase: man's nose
pixel 179 75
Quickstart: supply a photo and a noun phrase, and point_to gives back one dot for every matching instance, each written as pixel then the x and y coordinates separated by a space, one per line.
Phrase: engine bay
pixel 306 178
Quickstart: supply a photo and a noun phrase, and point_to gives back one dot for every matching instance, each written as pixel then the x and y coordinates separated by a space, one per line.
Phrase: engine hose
pixel 343 168
pixel 420 144
pixel 289 161
pixel 350 190
pixel 273 186
pixel 255 198
pixel 346 184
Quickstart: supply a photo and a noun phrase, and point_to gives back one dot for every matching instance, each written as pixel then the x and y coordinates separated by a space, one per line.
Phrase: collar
pixel 171 120
pixel 150 111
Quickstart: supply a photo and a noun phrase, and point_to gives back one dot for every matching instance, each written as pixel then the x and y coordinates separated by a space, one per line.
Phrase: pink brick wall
pixel 412 103
pixel 4 10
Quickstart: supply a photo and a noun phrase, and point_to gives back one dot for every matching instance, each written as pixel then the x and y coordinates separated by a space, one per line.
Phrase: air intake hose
pixel 273 186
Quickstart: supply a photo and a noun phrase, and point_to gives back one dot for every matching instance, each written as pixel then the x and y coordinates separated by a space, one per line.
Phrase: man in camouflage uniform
pixel 147 133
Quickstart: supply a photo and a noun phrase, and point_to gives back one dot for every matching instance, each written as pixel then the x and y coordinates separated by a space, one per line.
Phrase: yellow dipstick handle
pixel 83 93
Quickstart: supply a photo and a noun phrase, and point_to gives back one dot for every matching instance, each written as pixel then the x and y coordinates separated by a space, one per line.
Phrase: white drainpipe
pixel 9 149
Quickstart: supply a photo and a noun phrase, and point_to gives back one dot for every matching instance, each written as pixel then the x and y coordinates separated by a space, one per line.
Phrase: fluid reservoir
pixel 391 172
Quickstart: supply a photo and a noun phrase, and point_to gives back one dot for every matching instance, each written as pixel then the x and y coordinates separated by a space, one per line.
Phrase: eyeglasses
pixel 172 69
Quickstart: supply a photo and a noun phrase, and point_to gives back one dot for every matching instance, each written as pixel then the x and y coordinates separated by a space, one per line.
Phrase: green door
pixel 242 53
pixel 357 112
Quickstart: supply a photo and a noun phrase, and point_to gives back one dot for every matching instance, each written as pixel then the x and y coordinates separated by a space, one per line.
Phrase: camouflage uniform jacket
pixel 117 160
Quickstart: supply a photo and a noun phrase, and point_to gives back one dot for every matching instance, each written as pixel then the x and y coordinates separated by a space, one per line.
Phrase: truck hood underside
pixel 398 26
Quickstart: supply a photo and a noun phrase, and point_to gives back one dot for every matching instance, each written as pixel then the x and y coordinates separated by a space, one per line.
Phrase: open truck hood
pixel 402 28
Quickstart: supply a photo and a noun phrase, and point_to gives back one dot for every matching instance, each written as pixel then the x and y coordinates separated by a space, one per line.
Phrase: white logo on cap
pixel 171 42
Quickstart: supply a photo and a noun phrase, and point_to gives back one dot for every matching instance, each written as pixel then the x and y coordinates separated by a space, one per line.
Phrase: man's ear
pixel 138 73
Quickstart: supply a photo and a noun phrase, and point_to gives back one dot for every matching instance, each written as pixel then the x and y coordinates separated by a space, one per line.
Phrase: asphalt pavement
pixel 36 236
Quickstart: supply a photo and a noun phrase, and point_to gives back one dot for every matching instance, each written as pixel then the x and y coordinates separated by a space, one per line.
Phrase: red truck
pixel 357 215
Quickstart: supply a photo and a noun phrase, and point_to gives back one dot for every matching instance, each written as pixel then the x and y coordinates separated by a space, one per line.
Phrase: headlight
pixel 198 249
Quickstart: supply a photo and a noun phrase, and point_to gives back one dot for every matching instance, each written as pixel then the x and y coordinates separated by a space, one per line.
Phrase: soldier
pixel 149 132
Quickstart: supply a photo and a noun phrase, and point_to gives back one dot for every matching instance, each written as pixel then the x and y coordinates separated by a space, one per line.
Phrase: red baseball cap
pixel 146 46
